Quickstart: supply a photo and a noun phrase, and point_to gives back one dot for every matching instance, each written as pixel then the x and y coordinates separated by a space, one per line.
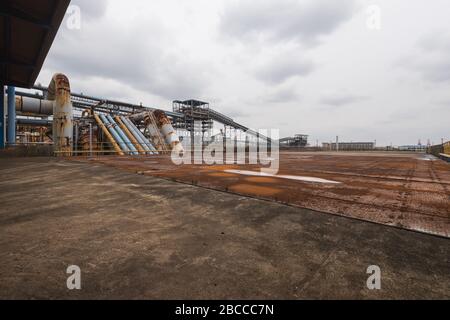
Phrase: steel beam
pixel 11 115
pixel 2 116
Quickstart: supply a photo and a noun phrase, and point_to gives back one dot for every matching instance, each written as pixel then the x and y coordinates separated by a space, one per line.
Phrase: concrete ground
pixel 136 236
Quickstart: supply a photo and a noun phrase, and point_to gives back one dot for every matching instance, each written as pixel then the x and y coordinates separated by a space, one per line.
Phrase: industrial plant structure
pixel 77 124
pixel 297 141
pixel 348 146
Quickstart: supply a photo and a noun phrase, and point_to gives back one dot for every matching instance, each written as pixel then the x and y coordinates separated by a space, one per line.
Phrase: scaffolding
pixel 197 118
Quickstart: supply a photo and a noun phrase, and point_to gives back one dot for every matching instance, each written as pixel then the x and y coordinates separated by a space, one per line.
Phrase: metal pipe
pixel 11 115
pixel 90 139
pixel 33 106
pixel 124 137
pixel 115 134
pixel 34 122
pixel 130 135
pixel 155 135
pixel 134 131
pixel 116 103
pixel 138 116
pixel 108 135
pixel 145 140
pixel 139 136
pixel 2 117
pixel 168 132
pixel 59 92
pixel 76 137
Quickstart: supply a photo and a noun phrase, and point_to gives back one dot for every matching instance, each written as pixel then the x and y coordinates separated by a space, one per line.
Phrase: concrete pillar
pixel 11 115
pixel 2 116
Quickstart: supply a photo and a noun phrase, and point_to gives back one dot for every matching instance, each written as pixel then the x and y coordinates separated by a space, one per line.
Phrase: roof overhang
pixel 27 31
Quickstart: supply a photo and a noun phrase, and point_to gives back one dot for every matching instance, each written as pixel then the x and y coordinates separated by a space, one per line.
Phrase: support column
pixel 2 116
pixel 11 115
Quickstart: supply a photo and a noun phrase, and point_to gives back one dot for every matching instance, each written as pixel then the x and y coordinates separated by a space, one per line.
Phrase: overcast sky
pixel 307 66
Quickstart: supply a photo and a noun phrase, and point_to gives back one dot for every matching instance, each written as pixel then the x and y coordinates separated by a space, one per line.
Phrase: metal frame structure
pixel 298 141
pixel 194 112
pixel 82 102
pixel 184 113
pixel 199 111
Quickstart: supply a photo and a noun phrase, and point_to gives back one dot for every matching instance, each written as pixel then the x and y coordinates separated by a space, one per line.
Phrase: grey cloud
pixel 236 113
pixel 432 60
pixel 282 96
pixel 341 99
pixel 285 20
pixel 437 70
pixel 117 55
pixel 280 69
pixel 437 41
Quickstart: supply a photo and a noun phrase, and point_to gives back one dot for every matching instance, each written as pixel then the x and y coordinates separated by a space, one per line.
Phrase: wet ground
pixel 406 190
pixel 137 236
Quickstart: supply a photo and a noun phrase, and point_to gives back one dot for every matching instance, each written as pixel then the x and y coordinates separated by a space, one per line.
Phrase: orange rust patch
pixel 221 174
pixel 261 180
pixel 254 190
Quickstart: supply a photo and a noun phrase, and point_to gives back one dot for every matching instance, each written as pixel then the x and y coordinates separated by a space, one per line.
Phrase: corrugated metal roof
pixel 27 31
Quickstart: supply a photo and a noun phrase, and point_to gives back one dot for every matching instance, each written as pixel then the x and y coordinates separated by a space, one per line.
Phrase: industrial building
pixel 413 148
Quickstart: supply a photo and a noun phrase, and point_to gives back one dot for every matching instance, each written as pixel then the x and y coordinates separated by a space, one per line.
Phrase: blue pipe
pixel 2 117
pixel 116 136
pixel 145 142
pixel 139 137
pixel 11 115
pixel 132 130
pixel 124 137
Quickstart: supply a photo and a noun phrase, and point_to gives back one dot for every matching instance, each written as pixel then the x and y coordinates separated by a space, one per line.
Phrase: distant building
pixel 299 141
pixel 349 146
pixel 416 148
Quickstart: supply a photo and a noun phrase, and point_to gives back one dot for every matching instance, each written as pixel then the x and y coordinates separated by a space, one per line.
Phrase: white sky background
pixel 307 66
